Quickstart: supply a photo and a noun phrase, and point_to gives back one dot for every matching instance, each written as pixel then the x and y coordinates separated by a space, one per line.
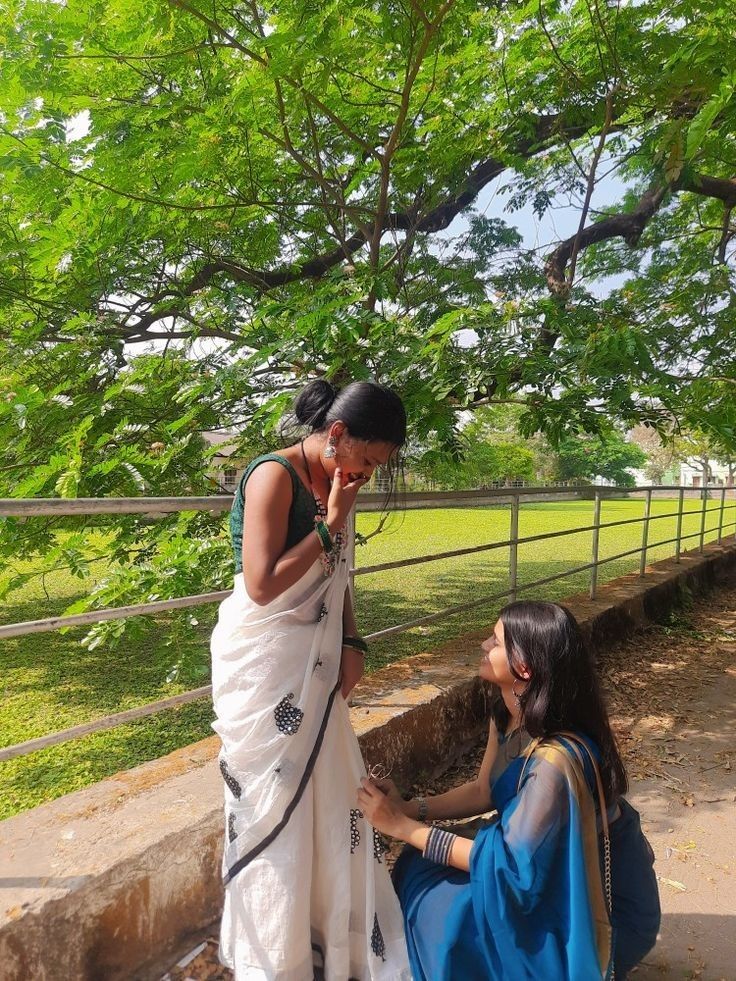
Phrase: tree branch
pixel 712 187
pixel 628 226
pixel 591 178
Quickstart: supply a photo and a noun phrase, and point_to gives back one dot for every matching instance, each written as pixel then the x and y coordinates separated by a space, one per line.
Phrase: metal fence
pixel 20 508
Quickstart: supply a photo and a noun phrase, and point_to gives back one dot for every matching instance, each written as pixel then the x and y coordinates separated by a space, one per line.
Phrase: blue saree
pixel 532 905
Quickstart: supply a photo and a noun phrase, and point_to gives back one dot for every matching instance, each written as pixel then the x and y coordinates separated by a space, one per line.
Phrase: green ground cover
pixel 50 681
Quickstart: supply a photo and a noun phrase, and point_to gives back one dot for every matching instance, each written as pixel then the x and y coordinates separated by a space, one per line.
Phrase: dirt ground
pixel 672 695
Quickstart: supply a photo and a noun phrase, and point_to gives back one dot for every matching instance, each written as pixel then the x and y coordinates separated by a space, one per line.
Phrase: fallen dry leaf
pixel 673 883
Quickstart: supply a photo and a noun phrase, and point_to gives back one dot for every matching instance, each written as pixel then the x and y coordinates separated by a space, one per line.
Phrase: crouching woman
pixel 561 884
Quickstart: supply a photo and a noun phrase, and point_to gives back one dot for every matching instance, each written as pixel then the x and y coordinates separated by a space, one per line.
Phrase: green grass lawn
pixel 51 682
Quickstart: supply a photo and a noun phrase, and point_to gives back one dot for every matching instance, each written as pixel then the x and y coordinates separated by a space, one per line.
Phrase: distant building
pixel 226 467
pixel 691 474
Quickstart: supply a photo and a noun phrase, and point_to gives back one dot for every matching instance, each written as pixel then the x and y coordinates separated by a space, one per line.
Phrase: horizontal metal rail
pixel 62 507
pixel 79 506
pixel 159 606
pixel 525 540
pixel 100 725
pixel 113 613
pixel 220 503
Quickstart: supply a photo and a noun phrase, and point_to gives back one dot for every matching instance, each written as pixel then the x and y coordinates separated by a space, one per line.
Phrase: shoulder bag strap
pixel 578 742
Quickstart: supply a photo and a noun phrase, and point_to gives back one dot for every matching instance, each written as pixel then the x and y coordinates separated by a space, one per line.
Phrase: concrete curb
pixel 113 879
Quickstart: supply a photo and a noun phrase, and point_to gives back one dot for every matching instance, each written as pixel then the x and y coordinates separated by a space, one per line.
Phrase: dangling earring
pixel 517 695
pixel 330 452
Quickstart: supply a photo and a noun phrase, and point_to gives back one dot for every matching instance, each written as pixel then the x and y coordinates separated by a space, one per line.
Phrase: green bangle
pixel 325 538
pixel 356 643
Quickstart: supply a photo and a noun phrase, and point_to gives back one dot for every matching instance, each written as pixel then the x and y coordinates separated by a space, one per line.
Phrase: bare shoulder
pixel 270 481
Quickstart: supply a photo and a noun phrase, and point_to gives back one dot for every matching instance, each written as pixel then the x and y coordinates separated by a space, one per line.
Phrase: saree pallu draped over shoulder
pixel 305 875
pixel 533 905
pixel 537 874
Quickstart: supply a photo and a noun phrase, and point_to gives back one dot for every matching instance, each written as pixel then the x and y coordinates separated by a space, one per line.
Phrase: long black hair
pixel 370 411
pixel 563 690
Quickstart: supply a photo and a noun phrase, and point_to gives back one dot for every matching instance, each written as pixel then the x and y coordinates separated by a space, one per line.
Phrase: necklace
pixel 329 559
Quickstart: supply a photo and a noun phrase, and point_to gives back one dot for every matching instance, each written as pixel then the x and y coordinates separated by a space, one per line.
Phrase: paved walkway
pixel 672 693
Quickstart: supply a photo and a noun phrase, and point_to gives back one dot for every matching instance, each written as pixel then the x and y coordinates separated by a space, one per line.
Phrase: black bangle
pixel 439 845
pixel 357 644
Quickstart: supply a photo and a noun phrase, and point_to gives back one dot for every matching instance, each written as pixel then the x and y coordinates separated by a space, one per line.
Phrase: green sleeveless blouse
pixel 302 512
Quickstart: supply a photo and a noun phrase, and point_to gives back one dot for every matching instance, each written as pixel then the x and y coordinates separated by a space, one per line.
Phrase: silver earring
pixel 330 452
pixel 517 695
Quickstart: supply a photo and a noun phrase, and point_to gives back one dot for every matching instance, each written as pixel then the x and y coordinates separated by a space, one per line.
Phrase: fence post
pixel 680 507
pixel 513 546
pixel 351 560
pixel 720 517
pixel 702 517
pixel 645 532
pixel 594 550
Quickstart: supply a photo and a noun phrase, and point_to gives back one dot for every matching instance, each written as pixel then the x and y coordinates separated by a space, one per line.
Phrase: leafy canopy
pixel 206 203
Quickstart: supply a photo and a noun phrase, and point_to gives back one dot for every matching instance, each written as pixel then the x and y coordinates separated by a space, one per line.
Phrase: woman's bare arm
pixel 468 800
pixel 268 570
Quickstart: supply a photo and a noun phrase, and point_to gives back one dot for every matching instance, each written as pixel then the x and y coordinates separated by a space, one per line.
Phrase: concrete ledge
pixel 108 881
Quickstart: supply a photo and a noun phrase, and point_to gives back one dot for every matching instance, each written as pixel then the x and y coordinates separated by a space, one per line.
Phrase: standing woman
pixel 305 882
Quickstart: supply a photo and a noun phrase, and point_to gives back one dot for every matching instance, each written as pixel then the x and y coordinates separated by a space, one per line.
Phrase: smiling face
pixel 494 665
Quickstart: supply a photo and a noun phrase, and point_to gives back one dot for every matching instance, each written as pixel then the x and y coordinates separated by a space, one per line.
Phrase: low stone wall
pixel 108 882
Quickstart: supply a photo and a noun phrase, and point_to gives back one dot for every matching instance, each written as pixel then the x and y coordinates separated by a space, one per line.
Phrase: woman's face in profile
pixel 494 664
pixel 359 457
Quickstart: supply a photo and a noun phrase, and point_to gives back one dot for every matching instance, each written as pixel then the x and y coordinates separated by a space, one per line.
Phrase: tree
pixel 486 450
pixel 606 455
pixel 271 192
pixel 661 456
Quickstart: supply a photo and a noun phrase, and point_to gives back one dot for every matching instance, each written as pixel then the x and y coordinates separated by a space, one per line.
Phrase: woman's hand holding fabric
pixel 382 810
pixel 389 788
pixel 342 498
pixel 352 666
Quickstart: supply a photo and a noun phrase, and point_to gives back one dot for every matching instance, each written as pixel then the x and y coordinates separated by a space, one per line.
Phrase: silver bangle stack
pixel 439 845
pixel 422 809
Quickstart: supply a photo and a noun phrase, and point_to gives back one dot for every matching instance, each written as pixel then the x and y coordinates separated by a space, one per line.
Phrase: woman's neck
pixel 318 478
pixel 514 710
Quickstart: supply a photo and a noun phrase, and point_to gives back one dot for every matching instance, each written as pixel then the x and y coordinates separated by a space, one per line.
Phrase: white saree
pixel 306 881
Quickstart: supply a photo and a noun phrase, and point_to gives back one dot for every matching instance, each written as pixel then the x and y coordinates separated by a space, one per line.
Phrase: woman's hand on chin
pixel 382 810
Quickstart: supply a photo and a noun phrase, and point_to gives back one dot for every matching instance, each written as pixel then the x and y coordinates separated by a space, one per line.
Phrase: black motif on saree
pixel 288 717
pixel 355 815
pixel 377 945
pixel 380 846
pixel 235 789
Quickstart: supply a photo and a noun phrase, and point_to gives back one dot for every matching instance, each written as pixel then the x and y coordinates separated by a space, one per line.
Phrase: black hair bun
pixel 314 402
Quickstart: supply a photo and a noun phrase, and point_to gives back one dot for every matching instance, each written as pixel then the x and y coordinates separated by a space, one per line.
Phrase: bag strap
pixel 579 743
pixel 575 749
